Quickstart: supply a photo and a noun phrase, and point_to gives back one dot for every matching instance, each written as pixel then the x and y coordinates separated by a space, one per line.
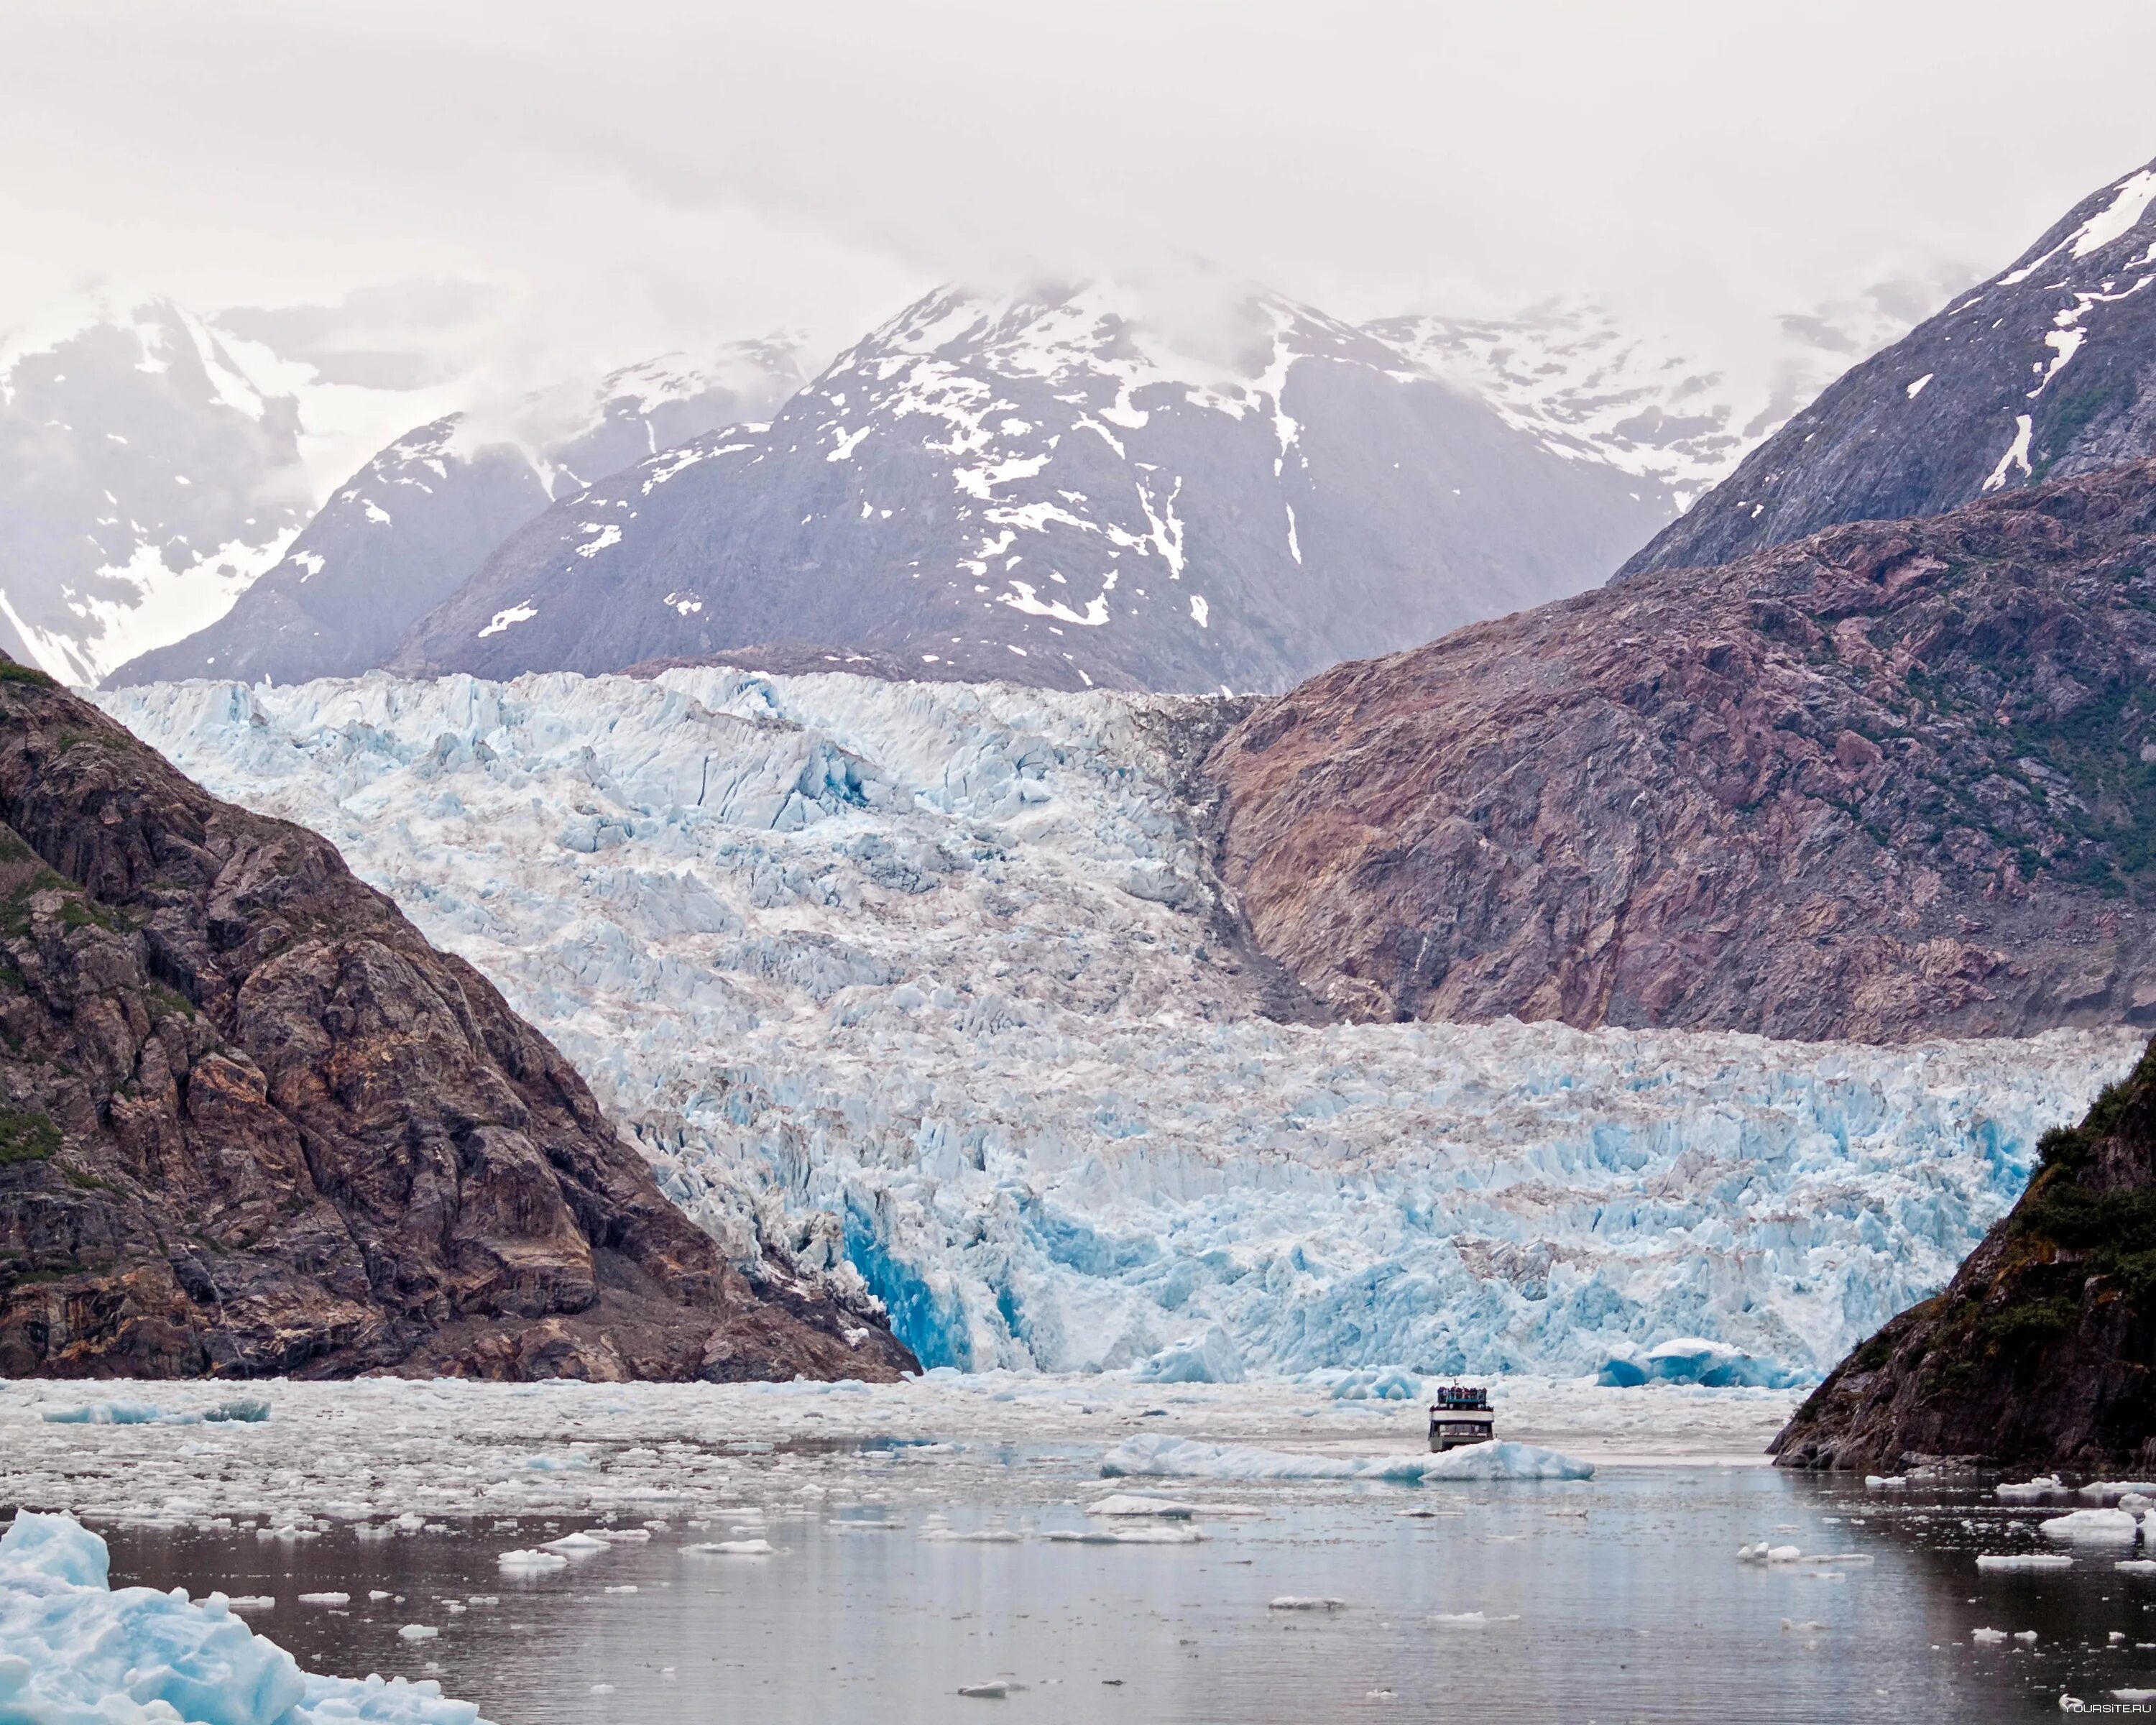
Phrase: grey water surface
pixel 1619 1599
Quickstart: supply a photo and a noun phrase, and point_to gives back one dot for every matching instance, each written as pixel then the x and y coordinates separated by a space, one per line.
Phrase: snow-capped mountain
pixel 933 980
pixel 409 529
pixel 145 479
pixel 1593 386
pixel 2047 370
pixel 1065 487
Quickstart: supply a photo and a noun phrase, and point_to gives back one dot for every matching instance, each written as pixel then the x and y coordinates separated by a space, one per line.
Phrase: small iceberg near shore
pixel 2115 1526
pixel 72 1648
pixel 1157 1456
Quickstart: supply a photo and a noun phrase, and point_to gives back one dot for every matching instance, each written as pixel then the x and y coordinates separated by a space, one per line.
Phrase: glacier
pixel 928 988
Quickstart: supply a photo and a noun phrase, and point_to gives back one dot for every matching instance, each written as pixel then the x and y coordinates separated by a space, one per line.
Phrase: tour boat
pixel 1460 1415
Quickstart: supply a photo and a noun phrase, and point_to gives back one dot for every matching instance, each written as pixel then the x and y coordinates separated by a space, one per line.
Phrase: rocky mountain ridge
pixel 251 1122
pixel 1889 781
pixel 2047 370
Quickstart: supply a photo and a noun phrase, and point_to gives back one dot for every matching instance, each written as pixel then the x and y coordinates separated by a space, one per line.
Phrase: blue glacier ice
pixel 73 1650
pixel 920 989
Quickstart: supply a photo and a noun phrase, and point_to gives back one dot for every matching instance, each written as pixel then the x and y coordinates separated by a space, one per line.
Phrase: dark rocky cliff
pixel 1898 780
pixel 2042 1350
pixel 251 1122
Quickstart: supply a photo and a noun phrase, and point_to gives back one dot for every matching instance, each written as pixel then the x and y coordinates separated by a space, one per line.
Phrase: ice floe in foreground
pixel 923 985
pixel 76 1651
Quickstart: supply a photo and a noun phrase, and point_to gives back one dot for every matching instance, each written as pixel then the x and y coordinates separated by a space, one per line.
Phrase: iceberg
pixel 73 1650
pixel 1154 1455
pixel 1691 1359
pixel 2115 1526
pixel 921 988
pixel 1209 1358
pixel 1391 1385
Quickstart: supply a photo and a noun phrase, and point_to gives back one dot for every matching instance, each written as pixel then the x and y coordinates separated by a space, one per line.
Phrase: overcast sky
pixel 629 177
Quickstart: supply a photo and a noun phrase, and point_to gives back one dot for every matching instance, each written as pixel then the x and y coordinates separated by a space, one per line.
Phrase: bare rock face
pixel 2042 1350
pixel 251 1122
pixel 1891 781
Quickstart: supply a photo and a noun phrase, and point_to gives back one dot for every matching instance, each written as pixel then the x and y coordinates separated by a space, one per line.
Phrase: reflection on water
pixel 1621 1599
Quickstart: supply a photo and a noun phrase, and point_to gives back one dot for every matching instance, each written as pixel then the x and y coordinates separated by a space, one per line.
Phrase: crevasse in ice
pixel 75 1650
pixel 923 987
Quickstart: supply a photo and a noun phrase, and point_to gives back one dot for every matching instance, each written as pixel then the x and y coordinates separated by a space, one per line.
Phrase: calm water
pixel 1617 1599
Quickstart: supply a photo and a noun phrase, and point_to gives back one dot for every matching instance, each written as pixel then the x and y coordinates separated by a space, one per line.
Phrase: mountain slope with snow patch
pixel 2046 371
pixel 407 529
pixel 146 479
pixel 1063 487
pixel 1595 388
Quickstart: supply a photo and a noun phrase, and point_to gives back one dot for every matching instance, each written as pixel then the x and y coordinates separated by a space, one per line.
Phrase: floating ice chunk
pixel 1989 1637
pixel 576 1543
pixel 250 1602
pixel 2137 1566
pixel 2115 1526
pixel 528 1562
pixel 1695 1359
pixel 1127 1536
pixel 2029 1635
pixel 2112 1491
pixel 115 1414
pixel 733 1549
pixel 1393 1384
pixel 57 1547
pixel 325 1599
pixel 626 1587
pixel 1158 1454
pixel 1470 1620
pixel 1505 1461
pixel 2133 1695
pixel 1885 1482
pixel 80 1654
pixel 2024 1560
pixel 1141 1503
pixel 242 1410
pixel 2047 1485
pixel 418 1632
pixel 996 1690
pixel 1306 1602
pixel 976 1536
pixel 1211 1358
